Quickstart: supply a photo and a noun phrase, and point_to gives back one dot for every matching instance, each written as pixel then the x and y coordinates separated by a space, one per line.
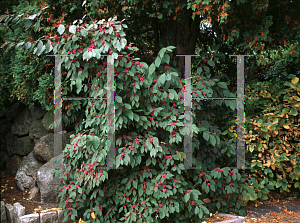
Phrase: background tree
pixel 240 27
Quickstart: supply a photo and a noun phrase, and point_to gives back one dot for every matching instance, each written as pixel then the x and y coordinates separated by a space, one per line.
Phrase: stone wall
pixel 24 130
pixel 27 149
pixel 16 214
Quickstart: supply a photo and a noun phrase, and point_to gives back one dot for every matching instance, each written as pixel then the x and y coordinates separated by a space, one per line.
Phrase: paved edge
pixel 235 219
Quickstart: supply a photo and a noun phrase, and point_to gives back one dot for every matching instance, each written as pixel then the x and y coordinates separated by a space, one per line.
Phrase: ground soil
pixel 283 202
pixel 278 208
pixel 10 194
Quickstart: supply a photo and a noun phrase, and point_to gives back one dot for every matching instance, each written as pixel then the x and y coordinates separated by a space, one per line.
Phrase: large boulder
pixel 3 152
pixel 5 126
pixel 11 143
pixel 24 145
pixel 13 110
pixel 37 130
pixel 48 120
pixel 3 213
pixel 37 112
pixel 25 177
pixel 22 123
pixel 49 187
pixel 2 114
pixel 4 159
pixel 13 164
pixel 44 147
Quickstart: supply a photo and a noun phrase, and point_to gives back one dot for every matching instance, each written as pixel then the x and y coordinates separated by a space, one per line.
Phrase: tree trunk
pixel 181 34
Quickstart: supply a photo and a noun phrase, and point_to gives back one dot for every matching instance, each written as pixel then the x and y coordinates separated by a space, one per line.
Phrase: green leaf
pixel 136 117
pixel 123 43
pixel 129 114
pixel 27 23
pixel 162 79
pixel 218 205
pixel 141 190
pixel 206 68
pixel 39 47
pixel 251 191
pixel 19 44
pixel 212 140
pixel 74 38
pixel 161 52
pixel 162 214
pixel 166 58
pixel 211 63
pixel 61 29
pixel 297 170
pixel 206 136
pixel 118 99
pixel 84 32
pixel 284 183
pixel 157 61
pixel 151 69
pixel 170 48
pixel 174 93
pixel 199 70
pixel 206 211
pixel 195 192
pixel 148 162
pixel 32 17
pixel 168 78
pixel 96 142
pixel 135 184
pixel 294 112
pixel 220 55
pixel 128 106
pixel 207 189
pixel 285 110
pixel 28 45
pixel 222 85
pixel 37 26
pixel 72 29
pixel 187 197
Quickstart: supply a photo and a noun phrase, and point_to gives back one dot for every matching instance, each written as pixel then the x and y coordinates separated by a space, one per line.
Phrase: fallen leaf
pixel 93 215
pixel 206 200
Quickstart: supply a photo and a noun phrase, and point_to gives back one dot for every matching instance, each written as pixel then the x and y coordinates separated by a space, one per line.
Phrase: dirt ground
pixel 11 195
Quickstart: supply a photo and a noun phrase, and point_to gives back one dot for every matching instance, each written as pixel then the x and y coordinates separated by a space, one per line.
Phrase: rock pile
pixel 27 152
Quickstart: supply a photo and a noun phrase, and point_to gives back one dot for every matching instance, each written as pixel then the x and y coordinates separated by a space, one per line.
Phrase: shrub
pixel 149 110
pixel 149 187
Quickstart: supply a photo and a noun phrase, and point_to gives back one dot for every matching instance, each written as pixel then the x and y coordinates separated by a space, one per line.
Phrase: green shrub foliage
pixel 149 116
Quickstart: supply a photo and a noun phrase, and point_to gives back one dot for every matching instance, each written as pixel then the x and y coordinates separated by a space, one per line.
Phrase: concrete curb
pixel 235 219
